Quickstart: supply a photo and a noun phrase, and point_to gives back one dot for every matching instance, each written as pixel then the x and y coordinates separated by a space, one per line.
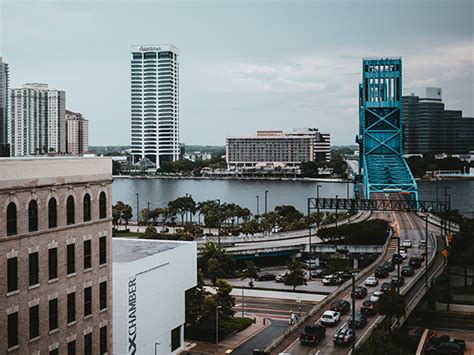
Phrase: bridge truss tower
pixel 382 167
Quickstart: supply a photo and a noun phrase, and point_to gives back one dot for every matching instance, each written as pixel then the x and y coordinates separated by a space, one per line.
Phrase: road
pixel 410 227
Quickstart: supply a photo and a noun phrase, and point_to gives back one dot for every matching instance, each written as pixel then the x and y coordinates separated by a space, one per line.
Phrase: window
pixel 11 219
pixel 33 216
pixel 87 301
pixel 12 329
pixel 87 207
pixel 102 205
pixel 53 263
pixel 175 338
pixel 71 307
pixel 52 213
pixel 70 210
pixel 71 259
pixel 103 295
pixel 87 254
pixel 102 250
pixel 53 314
pixel 88 344
pixel 103 340
pixel 71 348
pixel 33 268
pixel 34 322
pixel 12 274
pixel 54 352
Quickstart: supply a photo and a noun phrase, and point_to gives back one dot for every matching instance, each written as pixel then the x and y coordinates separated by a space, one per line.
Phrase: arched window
pixel 86 205
pixel 33 216
pixel 70 210
pixel 11 219
pixel 52 213
pixel 102 205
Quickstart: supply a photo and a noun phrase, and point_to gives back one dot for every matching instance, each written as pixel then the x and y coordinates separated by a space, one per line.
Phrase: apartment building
pixel 4 87
pixel 77 133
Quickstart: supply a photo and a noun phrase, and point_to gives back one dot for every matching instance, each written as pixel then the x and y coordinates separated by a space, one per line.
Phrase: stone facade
pixel 41 179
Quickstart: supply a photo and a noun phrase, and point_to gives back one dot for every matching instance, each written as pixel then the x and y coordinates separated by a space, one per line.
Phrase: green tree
pixel 296 274
pixel 127 214
pixel 336 263
pixel 224 300
pixel 150 232
pixel 251 271
pixel 222 264
pixel 116 168
pixel 194 301
pixel 391 305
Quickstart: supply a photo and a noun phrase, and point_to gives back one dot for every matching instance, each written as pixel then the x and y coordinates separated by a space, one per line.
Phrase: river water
pixel 243 192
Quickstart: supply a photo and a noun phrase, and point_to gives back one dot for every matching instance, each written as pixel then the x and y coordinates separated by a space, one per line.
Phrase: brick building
pixel 55 256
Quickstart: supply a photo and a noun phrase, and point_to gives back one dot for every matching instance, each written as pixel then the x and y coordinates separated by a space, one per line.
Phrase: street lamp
pixel 398 267
pixel 309 236
pixel 266 200
pixel 148 212
pixel 426 250
pixel 218 222
pixel 353 275
pixel 138 211
pixel 336 209
pixel 217 324
pixel 258 206
pixel 317 204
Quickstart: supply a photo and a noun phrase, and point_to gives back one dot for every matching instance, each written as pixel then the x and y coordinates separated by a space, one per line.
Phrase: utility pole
pixel 218 222
pixel 426 251
pixel 336 208
pixel 148 212
pixel 138 210
pixel 266 200
pixel 317 205
pixel 258 206
pixel 353 313
pixel 309 236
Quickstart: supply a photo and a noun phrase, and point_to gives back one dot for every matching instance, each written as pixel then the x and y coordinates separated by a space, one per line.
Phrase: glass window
pixel 71 307
pixel 70 210
pixel 87 301
pixel 52 213
pixel 87 254
pixel 149 55
pixel 71 259
pixel 102 205
pixel 102 250
pixel 53 263
pixel 71 348
pixel 54 352
pixel 88 344
pixel 12 329
pixel 103 340
pixel 175 338
pixel 12 274
pixel 87 207
pixel 137 55
pixel 34 322
pixel 11 219
pixel 33 216
pixel 103 295
pixel 33 268
pixel 53 314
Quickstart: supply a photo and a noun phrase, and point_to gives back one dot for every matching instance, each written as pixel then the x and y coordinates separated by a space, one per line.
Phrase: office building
pixel 4 136
pixel 150 278
pixel 77 133
pixel 322 142
pixel 154 105
pixel 55 255
pixel 431 129
pixel 38 119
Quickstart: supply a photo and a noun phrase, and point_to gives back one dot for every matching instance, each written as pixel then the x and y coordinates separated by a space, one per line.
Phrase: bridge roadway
pixel 410 226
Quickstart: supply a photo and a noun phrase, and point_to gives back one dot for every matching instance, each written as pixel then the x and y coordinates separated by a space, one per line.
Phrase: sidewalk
pixel 227 345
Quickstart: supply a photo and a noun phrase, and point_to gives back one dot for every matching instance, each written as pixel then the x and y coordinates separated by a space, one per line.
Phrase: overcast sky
pixel 244 65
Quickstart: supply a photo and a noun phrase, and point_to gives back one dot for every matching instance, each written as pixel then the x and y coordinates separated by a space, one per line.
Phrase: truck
pixel 313 334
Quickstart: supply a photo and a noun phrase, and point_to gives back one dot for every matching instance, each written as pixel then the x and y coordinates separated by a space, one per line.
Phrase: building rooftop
pixel 128 250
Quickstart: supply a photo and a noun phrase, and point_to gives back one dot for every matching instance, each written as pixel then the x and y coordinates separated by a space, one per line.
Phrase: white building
pixel 150 278
pixel 77 137
pixel 198 156
pixel 38 120
pixel 154 104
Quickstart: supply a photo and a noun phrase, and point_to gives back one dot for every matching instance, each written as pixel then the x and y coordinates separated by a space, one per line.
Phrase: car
pixel 419 256
pixel 344 336
pixel 265 277
pixel 446 348
pixel 319 272
pixel 376 296
pixel 381 272
pixel 331 280
pixel 414 262
pixel 397 259
pixel 403 254
pixel 281 277
pixel 360 292
pixel 310 264
pixel 313 334
pixel 398 281
pixel 368 308
pixel 360 321
pixel 421 244
pixel 340 306
pixel 330 318
pixel 344 275
pixel 371 281
pixel 408 271
pixel 387 287
pixel 407 243
pixel 389 266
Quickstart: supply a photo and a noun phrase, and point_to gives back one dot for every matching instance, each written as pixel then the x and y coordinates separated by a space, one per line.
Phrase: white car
pixel 330 318
pixel 403 254
pixel 376 296
pixel 406 243
pixel 371 281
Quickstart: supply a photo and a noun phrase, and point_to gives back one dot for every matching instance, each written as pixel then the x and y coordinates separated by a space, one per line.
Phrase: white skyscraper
pixel 154 104
pixel 38 120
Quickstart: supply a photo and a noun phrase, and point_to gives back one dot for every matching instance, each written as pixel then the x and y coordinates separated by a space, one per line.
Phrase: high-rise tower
pixel 4 139
pixel 154 105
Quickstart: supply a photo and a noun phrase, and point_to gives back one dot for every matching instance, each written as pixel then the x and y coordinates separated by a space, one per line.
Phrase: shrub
pixel 238 323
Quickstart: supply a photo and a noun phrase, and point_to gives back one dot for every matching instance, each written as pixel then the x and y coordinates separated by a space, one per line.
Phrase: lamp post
pixel 426 250
pixel 258 206
pixel 317 205
pixel 138 211
pixel 218 222
pixel 398 267
pixel 353 275
pixel 309 236
pixel 266 201
pixel 148 212
pixel 243 302
pixel 336 208
pixel 217 324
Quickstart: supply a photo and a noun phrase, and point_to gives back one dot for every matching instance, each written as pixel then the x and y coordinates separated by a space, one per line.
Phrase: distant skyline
pixel 244 65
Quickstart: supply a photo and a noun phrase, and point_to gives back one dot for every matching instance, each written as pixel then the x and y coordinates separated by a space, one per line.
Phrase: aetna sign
pixel 132 316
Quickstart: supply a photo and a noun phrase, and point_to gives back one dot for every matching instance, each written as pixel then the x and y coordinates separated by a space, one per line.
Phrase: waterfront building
pixel 55 255
pixel 431 129
pixel 38 119
pixel 154 105
pixel 322 142
pixel 77 137
pixel 4 84
pixel 150 278
pixel 198 156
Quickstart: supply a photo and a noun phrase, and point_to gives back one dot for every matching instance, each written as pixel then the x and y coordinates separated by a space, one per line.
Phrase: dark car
pixel 398 281
pixel 381 272
pixel 414 262
pixel 408 271
pixel 446 348
pixel 313 334
pixel 368 308
pixel 331 280
pixel 387 287
pixel 341 306
pixel 344 275
pixel 265 277
pixel 360 321
pixel 389 266
pixel 344 336
pixel 397 259
pixel 319 272
pixel 419 256
pixel 360 292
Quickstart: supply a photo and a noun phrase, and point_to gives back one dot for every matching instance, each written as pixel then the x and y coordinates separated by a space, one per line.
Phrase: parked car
pixel 381 272
pixel 368 308
pixel 330 318
pixel 309 264
pixel 331 280
pixel 266 277
pixel 344 275
pixel 407 271
pixel 403 254
pixel 344 336
pixel 414 262
pixel 319 272
pixel 360 292
pixel 360 321
pixel 281 277
pixel 398 281
pixel 407 243
pixel 387 287
pixel 313 334
pixel 389 266
pixel 376 296
pixel 340 306
pixel 371 281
